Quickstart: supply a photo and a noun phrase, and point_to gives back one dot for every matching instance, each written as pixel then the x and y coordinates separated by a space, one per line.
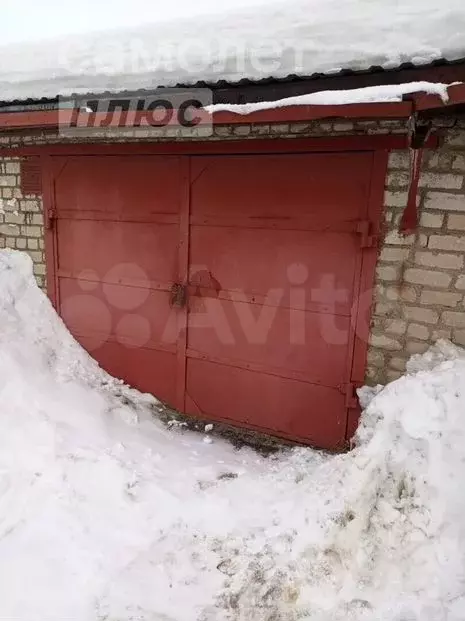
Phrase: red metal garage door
pixel 116 252
pixel 228 286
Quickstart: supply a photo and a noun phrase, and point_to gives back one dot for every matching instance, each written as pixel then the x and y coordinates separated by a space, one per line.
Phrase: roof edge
pixel 414 102
pixel 54 119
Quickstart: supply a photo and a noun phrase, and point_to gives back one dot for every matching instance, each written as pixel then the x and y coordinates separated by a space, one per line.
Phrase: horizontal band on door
pixel 259 368
pixel 262 301
pixel 102 337
pixel 198 292
pixel 149 285
pixel 102 216
pixel 284 223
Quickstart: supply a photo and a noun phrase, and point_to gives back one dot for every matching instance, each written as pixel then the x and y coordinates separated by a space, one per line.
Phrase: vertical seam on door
pixel 50 233
pixel 183 277
pixel 368 260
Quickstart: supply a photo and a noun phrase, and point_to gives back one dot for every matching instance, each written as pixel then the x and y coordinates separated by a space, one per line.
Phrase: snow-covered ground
pixel 283 37
pixel 106 515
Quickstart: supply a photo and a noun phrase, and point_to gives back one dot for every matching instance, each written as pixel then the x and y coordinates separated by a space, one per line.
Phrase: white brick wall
pixel 21 219
pixel 427 293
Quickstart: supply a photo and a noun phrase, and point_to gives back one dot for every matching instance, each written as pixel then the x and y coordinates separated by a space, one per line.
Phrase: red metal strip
pixel 235 147
pixel 294 114
pixel 29 120
pixel 456 93
pixel 286 114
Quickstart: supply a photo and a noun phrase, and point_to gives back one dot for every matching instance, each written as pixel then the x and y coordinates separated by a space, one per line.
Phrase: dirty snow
pixel 106 515
pixel 299 37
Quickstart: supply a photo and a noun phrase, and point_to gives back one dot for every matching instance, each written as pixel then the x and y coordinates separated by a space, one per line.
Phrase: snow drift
pixel 107 515
pixel 286 37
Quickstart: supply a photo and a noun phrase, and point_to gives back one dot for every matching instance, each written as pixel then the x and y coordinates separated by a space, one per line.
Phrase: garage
pixel 230 285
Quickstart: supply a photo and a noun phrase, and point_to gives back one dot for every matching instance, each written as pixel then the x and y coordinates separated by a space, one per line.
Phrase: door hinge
pixel 368 239
pixel 350 393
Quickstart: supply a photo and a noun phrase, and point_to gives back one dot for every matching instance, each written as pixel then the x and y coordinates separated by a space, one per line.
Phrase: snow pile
pixel 106 515
pixel 370 94
pixel 88 481
pixel 378 533
pixel 300 37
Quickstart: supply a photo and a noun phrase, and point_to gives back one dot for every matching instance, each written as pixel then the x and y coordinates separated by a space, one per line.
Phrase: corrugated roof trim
pixel 51 103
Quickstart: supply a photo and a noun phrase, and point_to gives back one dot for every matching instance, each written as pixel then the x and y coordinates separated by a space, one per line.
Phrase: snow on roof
pixel 385 93
pixel 106 513
pixel 300 37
